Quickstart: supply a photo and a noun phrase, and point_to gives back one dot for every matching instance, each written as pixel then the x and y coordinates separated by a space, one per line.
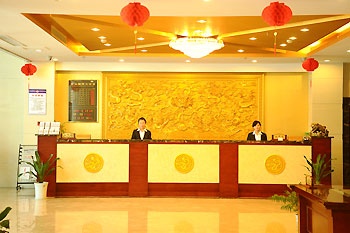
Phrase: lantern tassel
pixel 275 42
pixel 135 40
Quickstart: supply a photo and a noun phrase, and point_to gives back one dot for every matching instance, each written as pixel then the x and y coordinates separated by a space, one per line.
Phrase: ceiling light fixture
pixel 196 46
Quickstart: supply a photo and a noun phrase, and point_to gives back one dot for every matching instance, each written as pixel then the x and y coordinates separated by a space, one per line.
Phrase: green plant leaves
pixel 289 200
pixel 4 223
pixel 42 168
pixel 320 168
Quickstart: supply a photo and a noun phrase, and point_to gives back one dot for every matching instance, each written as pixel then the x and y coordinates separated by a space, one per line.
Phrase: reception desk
pixel 323 209
pixel 174 167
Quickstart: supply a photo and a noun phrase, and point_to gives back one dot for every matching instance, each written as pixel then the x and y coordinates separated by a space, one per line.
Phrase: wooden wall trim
pixel 91 189
pixel 228 170
pixel 138 169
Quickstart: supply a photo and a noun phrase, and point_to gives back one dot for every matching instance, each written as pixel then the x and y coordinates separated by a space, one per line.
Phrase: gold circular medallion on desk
pixel 93 163
pixel 184 163
pixel 275 164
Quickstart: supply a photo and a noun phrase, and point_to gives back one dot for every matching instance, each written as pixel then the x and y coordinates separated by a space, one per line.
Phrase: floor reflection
pixel 146 215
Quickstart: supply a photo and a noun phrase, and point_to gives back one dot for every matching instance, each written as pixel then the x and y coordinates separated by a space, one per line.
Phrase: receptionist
pixel 257 134
pixel 141 132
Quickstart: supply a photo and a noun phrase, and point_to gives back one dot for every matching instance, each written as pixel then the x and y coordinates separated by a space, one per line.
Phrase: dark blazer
pixel 136 134
pixel 251 136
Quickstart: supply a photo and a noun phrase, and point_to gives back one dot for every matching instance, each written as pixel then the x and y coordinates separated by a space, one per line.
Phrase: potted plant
pixel 289 201
pixel 41 170
pixel 319 169
pixel 4 224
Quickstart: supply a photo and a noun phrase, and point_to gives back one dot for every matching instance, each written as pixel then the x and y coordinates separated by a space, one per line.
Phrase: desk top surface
pixel 331 196
pixel 177 141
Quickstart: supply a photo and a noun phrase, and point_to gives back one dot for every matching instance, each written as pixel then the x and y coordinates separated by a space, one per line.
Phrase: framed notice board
pixel 83 100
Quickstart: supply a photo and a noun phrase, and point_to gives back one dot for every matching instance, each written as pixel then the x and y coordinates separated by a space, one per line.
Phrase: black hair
pixel 141 119
pixel 255 123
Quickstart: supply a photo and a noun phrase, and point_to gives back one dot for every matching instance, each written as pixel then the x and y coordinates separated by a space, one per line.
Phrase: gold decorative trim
pixel 93 163
pixel 184 163
pixel 275 164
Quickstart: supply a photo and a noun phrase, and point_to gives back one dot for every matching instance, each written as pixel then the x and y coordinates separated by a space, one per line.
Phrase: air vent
pixel 58 35
pixel 11 41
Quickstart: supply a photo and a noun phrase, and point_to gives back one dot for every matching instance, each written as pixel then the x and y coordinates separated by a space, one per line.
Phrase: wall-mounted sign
pixel 37 101
pixel 83 100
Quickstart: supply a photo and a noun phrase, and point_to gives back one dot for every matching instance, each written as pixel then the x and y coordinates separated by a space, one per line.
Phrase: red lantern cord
pixel 28 69
pixel 275 42
pixel 135 40
pixel 134 14
pixel 276 14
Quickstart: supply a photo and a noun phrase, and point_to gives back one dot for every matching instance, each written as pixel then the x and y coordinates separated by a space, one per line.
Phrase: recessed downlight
pixel 304 30
pixel 240 50
pixel 252 38
pixel 283 45
pixel 95 29
pixel 201 21
pixel 254 61
pixel 292 38
pixel 140 38
pixel 121 60
pixel 327 60
pixel 107 44
pixel 144 50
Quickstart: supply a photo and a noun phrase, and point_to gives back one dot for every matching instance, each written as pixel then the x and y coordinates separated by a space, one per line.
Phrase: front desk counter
pixel 323 209
pixel 176 167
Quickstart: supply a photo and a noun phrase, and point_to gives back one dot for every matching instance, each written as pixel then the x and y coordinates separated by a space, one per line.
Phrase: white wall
pixel 12 91
pixel 16 125
pixel 327 109
pixel 44 78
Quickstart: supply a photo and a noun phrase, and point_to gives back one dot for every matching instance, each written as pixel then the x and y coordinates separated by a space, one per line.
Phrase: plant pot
pixel 40 190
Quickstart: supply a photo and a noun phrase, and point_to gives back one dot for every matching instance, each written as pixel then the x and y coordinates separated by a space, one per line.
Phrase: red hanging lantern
pixel 310 64
pixel 277 14
pixel 134 14
pixel 28 69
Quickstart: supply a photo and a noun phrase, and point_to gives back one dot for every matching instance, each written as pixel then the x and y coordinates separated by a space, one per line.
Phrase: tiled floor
pixel 146 215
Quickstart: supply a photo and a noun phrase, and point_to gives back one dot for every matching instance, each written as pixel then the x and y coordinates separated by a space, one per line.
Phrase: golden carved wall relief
pixel 203 106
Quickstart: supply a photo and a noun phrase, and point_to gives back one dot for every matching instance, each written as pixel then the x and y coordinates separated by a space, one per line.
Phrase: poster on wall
pixel 37 102
pixel 83 100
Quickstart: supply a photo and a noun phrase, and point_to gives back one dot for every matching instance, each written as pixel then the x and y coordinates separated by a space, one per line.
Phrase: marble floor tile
pixel 146 215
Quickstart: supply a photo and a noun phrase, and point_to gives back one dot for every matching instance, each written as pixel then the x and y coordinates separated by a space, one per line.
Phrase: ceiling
pixel 61 29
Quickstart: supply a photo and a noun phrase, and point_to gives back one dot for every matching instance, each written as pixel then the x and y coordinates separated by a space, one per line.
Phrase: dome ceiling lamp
pixel 196 46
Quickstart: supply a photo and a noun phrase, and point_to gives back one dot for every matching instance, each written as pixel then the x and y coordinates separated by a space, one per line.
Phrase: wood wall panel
pixel 138 169
pixel 260 190
pixel 174 190
pixel 47 145
pixel 92 189
pixel 228 170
